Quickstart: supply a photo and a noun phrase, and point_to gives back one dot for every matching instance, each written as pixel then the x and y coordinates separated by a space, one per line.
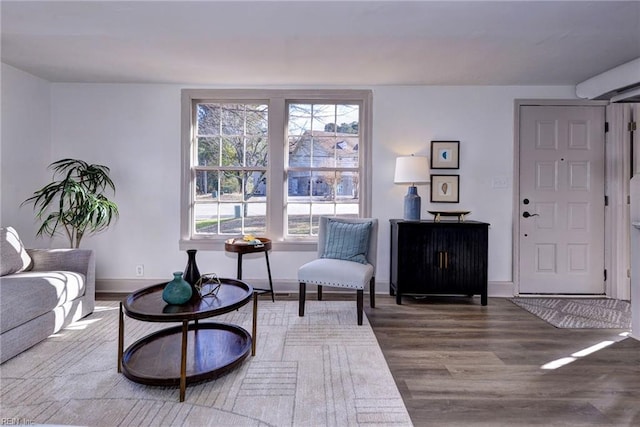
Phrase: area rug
pixel 579 312
pixel 317 370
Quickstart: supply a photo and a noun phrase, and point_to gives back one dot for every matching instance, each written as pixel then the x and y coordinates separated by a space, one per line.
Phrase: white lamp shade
pixel 412 170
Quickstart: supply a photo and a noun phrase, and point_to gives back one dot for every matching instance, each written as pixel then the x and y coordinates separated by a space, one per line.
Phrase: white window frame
pixel 276 174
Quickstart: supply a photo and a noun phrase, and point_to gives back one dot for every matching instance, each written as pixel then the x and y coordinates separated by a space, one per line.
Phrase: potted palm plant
pixel 76 203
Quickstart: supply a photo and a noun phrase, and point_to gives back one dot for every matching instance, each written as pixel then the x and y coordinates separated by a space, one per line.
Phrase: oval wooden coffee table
pixel 204 350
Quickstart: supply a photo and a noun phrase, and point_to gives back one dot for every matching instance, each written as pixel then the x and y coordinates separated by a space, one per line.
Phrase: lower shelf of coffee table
pixel 213 349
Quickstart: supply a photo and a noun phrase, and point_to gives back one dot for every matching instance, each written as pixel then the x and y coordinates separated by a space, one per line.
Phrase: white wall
pixel 135 130
pixel 406 119
pixel 25 148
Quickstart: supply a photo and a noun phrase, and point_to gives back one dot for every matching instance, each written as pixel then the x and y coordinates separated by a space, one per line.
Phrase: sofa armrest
pixel 77 260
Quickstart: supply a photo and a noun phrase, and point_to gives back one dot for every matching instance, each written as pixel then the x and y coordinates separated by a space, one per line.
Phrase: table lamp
pixel 412 170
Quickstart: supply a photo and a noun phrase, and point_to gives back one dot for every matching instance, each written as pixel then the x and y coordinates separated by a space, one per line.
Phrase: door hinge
pixel 632 126
pixel 628 272
pixel 606 127
pixel 606 200
pixel 628 199
pixel 605 274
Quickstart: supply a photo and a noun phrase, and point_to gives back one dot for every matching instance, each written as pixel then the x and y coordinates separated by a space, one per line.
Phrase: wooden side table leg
pixel 183 360
pixel 254 329
pixel 239 274
pixel 266 254
pixel 120 338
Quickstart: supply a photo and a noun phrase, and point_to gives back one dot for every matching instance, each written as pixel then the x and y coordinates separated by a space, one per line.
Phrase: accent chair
pixel 347 254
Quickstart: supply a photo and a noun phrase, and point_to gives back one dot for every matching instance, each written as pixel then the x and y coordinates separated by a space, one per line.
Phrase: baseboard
pixel 576 296
pixel 126 286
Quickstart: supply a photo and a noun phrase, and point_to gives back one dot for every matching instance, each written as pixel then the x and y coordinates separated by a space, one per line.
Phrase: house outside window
pixel 270 162
pixel 323 171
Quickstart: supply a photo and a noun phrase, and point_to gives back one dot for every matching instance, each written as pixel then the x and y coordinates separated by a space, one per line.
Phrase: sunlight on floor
pixel 99 308
pixel 81 324
pixel 555 364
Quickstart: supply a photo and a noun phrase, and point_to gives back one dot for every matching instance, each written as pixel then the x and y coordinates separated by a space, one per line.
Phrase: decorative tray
pixel 439 214
pixel 247 240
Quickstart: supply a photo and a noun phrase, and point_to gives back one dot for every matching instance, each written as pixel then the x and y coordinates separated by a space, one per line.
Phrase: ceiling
pixel 233 43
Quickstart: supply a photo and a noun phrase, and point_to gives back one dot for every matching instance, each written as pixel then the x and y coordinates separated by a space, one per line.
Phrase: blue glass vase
pixel 178 291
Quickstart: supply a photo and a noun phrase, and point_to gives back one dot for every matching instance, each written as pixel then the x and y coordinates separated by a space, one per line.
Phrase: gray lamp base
pixel 412 204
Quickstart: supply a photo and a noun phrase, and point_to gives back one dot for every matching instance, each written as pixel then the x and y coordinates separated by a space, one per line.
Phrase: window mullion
pixel 277 191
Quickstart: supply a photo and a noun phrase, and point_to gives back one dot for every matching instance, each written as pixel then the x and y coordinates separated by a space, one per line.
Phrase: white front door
pixel 561 200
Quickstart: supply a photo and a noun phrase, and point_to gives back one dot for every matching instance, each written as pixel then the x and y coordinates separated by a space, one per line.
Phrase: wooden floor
pixel 457 363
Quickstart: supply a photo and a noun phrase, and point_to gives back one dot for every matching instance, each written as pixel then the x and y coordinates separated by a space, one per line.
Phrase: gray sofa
pixel 53 288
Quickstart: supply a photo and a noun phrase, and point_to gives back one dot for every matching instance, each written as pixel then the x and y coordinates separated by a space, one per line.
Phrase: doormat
pixel 579 312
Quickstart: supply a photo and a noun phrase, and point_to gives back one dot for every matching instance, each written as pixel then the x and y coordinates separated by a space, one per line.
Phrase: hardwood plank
pixel 457 363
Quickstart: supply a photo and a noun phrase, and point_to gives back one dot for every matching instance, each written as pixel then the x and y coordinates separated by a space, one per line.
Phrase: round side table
pixel 242 248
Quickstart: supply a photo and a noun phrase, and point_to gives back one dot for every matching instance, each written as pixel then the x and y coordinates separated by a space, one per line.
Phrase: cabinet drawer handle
pixel 443 260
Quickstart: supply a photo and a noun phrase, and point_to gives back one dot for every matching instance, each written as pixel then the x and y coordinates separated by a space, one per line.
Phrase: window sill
pixel 277 246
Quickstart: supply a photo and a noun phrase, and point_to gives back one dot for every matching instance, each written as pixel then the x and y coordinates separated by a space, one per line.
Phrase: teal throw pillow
pixel 347 240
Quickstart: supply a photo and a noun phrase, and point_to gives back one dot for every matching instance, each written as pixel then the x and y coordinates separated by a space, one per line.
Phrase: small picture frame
pixel 445 154
pixel 445 188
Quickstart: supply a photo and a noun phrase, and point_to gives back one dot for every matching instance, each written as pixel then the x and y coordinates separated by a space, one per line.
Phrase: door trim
pixel 518 103
pixel 618 215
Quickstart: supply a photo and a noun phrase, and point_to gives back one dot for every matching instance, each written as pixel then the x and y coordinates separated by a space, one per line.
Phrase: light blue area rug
pixel 317 370
pixel 579 312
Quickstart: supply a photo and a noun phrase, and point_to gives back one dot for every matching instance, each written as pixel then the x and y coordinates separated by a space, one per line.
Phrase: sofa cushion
pixel 14 256
pixel 26 295
pixel 347 241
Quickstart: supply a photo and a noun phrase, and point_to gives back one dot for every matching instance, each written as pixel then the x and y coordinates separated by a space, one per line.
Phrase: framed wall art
pixel 445 154
pixel 445 188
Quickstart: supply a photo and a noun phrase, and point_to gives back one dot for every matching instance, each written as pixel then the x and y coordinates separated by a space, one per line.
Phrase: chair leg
pixel 301 299
pixel 319 292
pixel 372 292
pixel 360 304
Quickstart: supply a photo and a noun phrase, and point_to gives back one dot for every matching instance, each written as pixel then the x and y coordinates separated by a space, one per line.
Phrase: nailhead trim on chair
pixel 340 285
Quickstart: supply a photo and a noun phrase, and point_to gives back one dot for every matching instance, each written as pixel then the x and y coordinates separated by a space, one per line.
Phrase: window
pixel 323 163
pixel 230 166
pixel 270 162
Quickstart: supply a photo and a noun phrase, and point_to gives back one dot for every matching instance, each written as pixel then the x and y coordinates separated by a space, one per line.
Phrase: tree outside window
pixel 232 160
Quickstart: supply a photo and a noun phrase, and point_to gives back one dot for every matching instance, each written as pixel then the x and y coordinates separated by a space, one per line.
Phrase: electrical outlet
pixel 139 270
pixel 499 182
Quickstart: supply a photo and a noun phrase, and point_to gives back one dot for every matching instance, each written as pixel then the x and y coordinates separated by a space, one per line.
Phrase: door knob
pixel 527 214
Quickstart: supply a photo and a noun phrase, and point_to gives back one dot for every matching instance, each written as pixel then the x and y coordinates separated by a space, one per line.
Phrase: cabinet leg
pixel 483 298
pixel 398 298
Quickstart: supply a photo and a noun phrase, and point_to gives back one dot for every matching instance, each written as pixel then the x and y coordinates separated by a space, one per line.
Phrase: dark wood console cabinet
pixel 439 258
